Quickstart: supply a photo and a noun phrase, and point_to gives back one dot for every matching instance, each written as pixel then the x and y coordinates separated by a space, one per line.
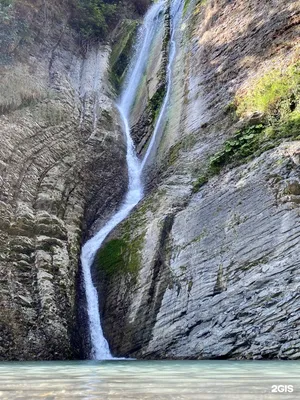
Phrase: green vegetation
pixel 185 144
pixel 156 101
pixel 14 29
pixel 202 180
pixel 93 17
pixel 243 144
pixel 111 257
pixel 190 285
pixel 197 239
pixel 185 7
pixel 154 104
pixel 174 153
pixel 197 7
pixel 96 19
pixel 276 96
pixel 120 256
pixel 5 3
pixel 270 91
pixel 121 52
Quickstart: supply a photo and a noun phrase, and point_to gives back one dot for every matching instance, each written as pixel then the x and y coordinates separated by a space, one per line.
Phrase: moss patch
pixel 121 52
pixel 185 144
pixel 185 7
pixel 156 101
pixel 202 180
pixel 120 256
pixel 270 91
pixel 174 153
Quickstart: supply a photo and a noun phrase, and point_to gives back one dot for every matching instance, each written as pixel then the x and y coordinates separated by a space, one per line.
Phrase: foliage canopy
pixel 94 19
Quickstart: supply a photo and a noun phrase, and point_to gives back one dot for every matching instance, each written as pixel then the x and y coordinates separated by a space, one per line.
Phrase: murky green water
pixel 155 380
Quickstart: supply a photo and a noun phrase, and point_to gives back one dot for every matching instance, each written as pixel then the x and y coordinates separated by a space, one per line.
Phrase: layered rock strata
pixel 215 265
pixel 62 168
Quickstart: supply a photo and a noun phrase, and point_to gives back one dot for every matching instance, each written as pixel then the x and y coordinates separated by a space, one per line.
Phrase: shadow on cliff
pixel 226 63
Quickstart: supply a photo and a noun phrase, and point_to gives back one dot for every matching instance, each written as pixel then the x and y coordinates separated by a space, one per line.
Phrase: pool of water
pixel 151 380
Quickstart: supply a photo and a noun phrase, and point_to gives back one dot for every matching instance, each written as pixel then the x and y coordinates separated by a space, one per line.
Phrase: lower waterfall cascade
pixel 100 348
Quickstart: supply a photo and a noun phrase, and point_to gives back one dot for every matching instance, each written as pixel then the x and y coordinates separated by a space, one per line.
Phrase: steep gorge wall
pixel 62 172
pixel 206 267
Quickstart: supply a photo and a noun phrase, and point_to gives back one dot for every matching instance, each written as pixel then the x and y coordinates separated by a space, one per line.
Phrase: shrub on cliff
pixel 275 96
pixel 272 91
pixel 92 18
pixel 14 16
pixel 141 5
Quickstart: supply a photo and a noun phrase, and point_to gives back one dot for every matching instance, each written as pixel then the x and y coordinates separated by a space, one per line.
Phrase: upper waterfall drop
pixel 175 11
pixel 100 348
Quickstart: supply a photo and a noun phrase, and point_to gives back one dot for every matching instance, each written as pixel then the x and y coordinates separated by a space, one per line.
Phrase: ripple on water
pixel 149 380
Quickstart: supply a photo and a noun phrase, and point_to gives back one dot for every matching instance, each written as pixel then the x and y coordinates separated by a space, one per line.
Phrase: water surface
pixel 150 380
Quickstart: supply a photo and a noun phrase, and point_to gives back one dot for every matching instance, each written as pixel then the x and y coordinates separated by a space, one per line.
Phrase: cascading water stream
pixel 176 10
pixel 100 348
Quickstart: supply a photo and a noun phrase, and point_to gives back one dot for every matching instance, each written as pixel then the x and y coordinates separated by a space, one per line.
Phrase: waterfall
pixel 100 348
pixel 175 11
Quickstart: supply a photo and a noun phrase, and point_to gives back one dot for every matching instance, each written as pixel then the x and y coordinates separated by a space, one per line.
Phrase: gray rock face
pixel 217 270
pixel 218 278
pixel 234 258
pixel 211 274
pixel 59 135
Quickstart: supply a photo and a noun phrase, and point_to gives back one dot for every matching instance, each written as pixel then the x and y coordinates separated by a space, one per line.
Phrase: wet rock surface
pixel 218 268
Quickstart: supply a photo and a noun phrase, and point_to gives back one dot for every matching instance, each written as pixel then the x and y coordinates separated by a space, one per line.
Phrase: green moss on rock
pixel 111 257
pixel 156 101
pixel 121 52
pixel 270 91
pixel 185 7
pixel 202 180
pixel 185 144
pixel 120 256
pixel 174 153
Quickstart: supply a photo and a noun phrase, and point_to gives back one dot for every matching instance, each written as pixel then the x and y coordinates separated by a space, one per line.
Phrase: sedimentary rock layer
pixel 217 263
pixel 62 167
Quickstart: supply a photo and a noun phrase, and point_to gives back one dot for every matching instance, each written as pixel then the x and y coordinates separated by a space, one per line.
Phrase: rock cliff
pixel 59 134
pixel 206 266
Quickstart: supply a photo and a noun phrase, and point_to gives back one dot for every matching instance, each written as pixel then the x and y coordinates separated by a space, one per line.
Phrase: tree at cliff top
pixel 94 19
